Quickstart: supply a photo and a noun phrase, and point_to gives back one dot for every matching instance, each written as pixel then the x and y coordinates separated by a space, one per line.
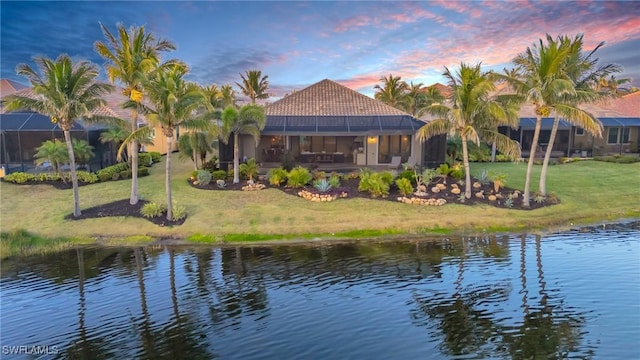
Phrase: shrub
pixel 48 177
pixel 351 176
pixel 143 171
pixel 155 156
pixel 219 175
pixel 374 183
pixel 443 169
pixel 108 173
pixel 618 159
pixel 145 159
pixel 426 176
pixel 502 158
pixel 298 177
pixel 87 177
pixel 19 177
pixel 479 153
pixel 125 174
pixel 387 177
pixel 288 161
pixel 277 176
pixel 319 175
pixel 334 180
pixel 211 165
pixel 457 171
pixel 322 185
pixel 409 175
pixel 179 212
pixel 404 186
pixel 151 210
pixel 203 177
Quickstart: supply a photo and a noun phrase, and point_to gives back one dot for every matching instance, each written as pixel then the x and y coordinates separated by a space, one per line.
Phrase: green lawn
pixel 589 191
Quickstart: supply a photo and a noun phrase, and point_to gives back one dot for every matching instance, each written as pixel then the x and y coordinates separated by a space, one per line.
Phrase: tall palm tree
pixel 65 92
pixel 174 102
pixel 419 98
pixel 254 85
pixel 582 71
pixel 473 114
pixel 542 82
pixel 131 57
pixel 392 91
pixel 229 97
pixel 249 120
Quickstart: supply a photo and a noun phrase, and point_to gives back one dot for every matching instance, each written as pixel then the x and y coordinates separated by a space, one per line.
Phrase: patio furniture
pixel 395 162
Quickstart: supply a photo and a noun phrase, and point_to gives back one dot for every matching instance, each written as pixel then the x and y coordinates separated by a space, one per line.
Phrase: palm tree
pixel 541 84
pixel 174 101
pixel 249 120
pixel 54 152
pixel 228 96
pixel 473 114
pixel 115 135
pixel 196 144
pixel 581 70
pixel 420 98
pixel 392 92
pixel 83 151
pixel 65 92
pixel 131 57
pixel 254 85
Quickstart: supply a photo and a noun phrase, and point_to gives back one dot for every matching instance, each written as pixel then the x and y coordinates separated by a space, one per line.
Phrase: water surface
pixel 573 294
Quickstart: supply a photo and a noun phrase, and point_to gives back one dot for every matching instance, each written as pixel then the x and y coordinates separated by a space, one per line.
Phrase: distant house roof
pixel 444 90
pixel 8 87
pixel 328 107
pixel 31 121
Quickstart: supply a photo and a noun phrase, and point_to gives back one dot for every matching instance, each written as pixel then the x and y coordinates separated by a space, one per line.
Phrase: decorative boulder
pixel 477 185
pixel 492 198
pixel 456 191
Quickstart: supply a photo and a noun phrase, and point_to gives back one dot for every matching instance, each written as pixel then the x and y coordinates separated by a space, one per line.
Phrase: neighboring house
pixel 21 132
pixel 620 118
pixel 330 123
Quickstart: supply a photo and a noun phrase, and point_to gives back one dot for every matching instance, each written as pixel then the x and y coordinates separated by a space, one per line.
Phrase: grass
pixel 590 191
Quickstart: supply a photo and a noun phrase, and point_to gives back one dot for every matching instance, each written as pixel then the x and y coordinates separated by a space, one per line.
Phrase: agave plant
pixel 322 185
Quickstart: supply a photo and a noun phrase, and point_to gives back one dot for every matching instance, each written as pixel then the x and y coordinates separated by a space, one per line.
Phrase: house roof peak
pixel 329 98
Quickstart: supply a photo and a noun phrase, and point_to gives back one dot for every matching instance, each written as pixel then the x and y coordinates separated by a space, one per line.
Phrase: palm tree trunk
pixel 74 175
pixel 532 155
pixel 467 172
pixel 547 157
pixel 168 180
pixel 133 153
pixel 493 152
pixel 236 159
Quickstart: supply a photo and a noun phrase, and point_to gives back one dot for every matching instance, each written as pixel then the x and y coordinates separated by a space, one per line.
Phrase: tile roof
pixel 328 98
pixel 8 87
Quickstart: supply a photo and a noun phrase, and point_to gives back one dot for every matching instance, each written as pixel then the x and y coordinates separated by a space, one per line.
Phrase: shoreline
pixel 33 244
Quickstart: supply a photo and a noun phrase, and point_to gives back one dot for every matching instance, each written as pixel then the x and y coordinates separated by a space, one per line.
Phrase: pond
pixel 572 294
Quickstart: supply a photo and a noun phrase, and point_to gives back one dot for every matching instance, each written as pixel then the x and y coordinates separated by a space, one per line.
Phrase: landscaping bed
pixel 123 208
pixel 350 188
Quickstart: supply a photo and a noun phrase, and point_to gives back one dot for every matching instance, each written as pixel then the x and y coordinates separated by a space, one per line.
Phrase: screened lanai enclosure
pixel 21 133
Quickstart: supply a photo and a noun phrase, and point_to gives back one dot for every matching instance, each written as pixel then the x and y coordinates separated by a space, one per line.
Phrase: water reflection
pixel 482 297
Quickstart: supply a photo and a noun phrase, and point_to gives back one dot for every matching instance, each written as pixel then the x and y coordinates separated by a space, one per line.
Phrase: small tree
pixel 54 152
pixel 249 120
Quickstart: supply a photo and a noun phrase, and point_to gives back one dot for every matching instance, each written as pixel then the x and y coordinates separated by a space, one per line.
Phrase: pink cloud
pixel 353 22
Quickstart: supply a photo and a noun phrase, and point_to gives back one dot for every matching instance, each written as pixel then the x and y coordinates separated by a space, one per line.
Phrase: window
pixel 393 145
pixel 618 136
pixel 579 131
pixel 625 135
pixel 612 138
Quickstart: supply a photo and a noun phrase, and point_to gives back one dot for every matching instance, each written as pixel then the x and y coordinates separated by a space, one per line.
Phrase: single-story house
pixel 330 123
pixel 620 118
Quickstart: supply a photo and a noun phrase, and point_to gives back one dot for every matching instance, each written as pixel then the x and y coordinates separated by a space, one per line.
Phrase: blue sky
pixel 299 43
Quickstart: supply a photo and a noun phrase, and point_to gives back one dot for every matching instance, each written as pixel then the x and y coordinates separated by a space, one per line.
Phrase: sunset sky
pixel 299 43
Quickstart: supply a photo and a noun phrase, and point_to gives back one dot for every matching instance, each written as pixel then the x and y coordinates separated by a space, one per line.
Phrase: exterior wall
pixel 601 146
pixel 160 141
pixel 247 147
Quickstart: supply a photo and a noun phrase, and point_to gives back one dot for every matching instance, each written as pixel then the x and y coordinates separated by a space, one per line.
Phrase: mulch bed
pixel 122 208
pixel 350 186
